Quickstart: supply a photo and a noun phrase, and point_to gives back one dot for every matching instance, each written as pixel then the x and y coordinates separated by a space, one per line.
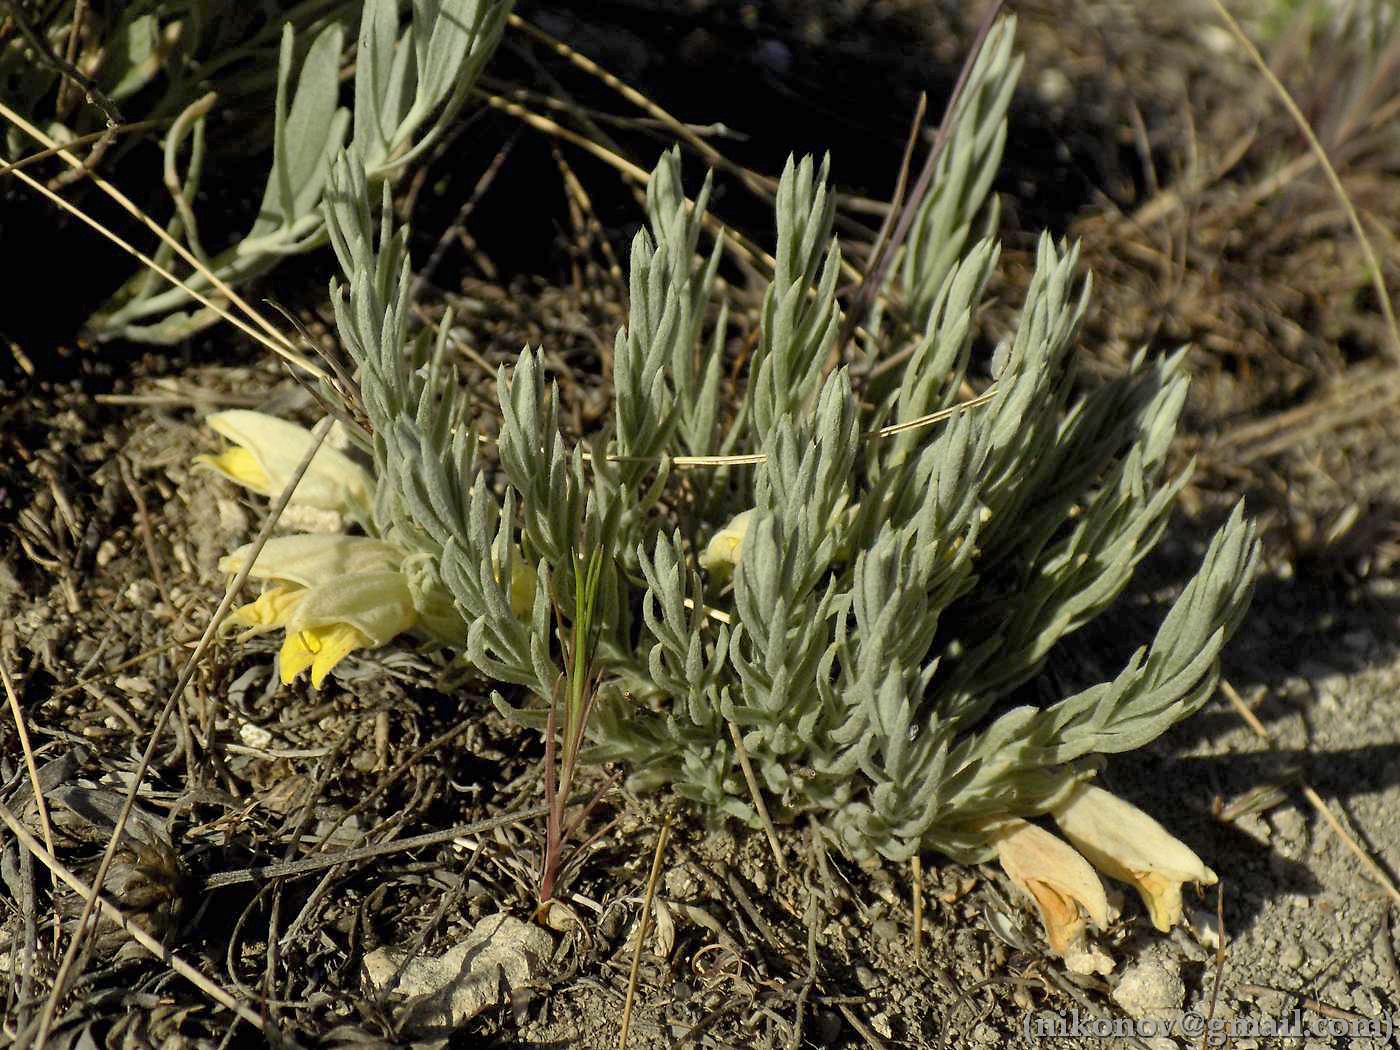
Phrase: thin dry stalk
pixel 916 891
pixel 751 252
pixel 65 67
pixel 1355 399
pixel 587 221
pixel 380 849
pixel 40 803
pixel 1219 962
pixel 118 668
pixel 273 338
pixel 31 159
pixel 29 764
pixel 765 187
pixel 459 221
pixel 68 90
pixel 874 278
pixel 757 795
pixel 759 185
pixel 753 458
pixel 642 928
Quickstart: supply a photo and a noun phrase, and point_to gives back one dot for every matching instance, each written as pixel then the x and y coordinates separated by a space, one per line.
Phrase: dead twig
pixel 874 278
pixel 642 928
pixel 757 796
pixel 45 825
pixel 270 336
pixel 353 856
pixel 916 889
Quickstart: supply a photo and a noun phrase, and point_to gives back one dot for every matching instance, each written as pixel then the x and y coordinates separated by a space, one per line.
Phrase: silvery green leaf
pixel 128 64
pixel 452 41
pixel 964 174
pixel 800 317
pixel 384 83
pixel 409 87
pixel 308 130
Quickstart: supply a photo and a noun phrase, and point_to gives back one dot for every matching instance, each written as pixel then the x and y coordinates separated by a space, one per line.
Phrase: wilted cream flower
pixel 1055 877
pixel 332 595
pixel 265 451
pixel 723 551
pixel 1126 844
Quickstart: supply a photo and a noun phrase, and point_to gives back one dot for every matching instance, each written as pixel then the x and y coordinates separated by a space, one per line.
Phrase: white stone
pixel 500 954
pixel 254 736
pixel 1151 987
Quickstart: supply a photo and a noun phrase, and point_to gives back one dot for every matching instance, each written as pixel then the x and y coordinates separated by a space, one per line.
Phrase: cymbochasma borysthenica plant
pixel 844 566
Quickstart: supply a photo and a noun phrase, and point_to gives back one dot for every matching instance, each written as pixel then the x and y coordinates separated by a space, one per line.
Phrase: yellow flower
pixel 266 451
pixel 726 546
pixel 320 649
pixel 332 594
pixel 270 611
pixel 334 619
pixel 1055 877
pixel 1126 844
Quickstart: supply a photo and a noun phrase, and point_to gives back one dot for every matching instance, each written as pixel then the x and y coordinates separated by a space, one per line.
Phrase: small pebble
pixel 1289 824
pixel 1150 988
pixel 886 929
pixel 254 735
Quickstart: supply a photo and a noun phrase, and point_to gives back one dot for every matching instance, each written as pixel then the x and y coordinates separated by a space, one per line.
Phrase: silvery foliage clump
pixel 892 596
pixel 410 84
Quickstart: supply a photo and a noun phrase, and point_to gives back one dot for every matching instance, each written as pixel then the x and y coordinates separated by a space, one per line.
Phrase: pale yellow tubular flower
pixel 309 560
pixel 1126 844
pixel 333 594
pixel 265 452
pixel 335 618
pixel 725 548
pixel 269 612
pixel 1055 877
pixel 319 649
pixel 294 563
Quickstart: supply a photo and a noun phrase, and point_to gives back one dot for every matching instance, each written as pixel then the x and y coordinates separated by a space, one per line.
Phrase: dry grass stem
pixel 186 675
pixel 757 795
pixel 643 925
